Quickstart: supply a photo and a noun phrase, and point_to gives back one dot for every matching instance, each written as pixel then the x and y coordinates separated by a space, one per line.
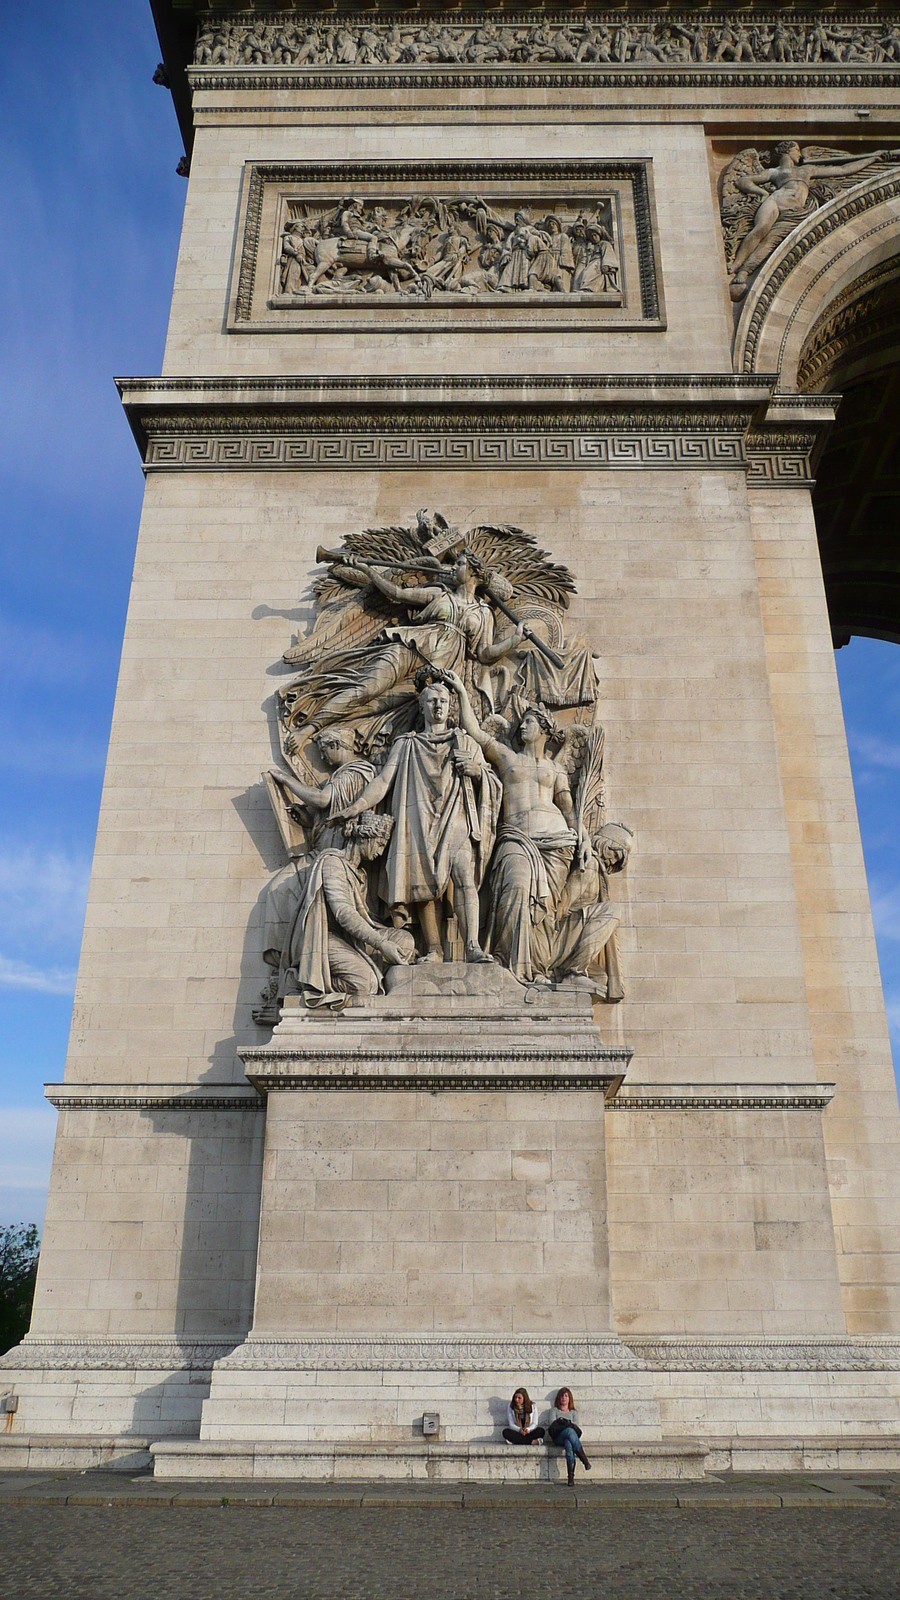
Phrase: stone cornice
pixel 723 1097
pixel 145 1097
pixel 632 421
pixel 466 1067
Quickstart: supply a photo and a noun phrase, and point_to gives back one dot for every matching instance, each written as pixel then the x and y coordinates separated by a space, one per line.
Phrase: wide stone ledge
pixel 696 421
pixel 468 1463
pixel 433 1070
pixel 155 1096
pixel 723 1097
pixel 834 1453
pixel 451 1026
pixel 46 1452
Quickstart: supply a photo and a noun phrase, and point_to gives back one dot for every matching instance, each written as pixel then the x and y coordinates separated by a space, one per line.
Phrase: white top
pixel 512 1422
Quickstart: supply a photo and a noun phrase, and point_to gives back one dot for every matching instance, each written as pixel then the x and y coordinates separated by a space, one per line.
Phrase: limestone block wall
pixel 151 1223
pixel 667 596
pixel 696 339
pixel 746 939
pixel 843 983
pixel 720 1223
pixel 403 1211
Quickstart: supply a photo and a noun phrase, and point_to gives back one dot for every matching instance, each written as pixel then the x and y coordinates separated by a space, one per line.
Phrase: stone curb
pixel 715 1496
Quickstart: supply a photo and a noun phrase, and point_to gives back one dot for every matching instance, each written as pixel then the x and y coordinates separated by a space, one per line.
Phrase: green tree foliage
pixel 19 1246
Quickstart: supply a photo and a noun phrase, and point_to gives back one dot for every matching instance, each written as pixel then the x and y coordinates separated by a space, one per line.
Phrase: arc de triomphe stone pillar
pixel 478 985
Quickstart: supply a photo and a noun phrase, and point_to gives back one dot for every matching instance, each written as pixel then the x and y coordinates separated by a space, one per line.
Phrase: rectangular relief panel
pixel 438 245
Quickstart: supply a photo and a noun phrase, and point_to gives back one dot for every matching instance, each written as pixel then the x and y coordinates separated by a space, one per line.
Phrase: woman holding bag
pixel 565 1432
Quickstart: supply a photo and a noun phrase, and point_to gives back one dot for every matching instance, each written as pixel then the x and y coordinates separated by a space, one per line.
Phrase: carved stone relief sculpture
pixel 762 201
pixel 583 42
pixel 441 794
pixel 461 243
pixel 427 247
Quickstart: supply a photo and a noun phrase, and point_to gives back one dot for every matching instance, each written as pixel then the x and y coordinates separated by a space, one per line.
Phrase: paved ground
pixel 104 1536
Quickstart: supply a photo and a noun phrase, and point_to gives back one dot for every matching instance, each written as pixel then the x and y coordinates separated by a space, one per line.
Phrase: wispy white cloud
pixel 886 911
pixel 875 750
pixel 42 901
pixel 26 1149
pixel 46 980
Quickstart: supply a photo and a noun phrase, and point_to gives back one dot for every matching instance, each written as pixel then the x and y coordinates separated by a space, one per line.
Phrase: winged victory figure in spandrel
pixel 760 203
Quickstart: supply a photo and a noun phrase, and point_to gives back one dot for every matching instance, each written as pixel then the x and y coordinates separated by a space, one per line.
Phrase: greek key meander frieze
pixel 570 242
pixel 739 42
pixel 462 450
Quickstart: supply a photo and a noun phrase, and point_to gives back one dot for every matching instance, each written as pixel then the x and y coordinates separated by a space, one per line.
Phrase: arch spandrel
pixel 829 250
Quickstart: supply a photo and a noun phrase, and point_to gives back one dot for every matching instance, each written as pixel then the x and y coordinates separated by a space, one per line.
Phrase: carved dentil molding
pixel 164 1097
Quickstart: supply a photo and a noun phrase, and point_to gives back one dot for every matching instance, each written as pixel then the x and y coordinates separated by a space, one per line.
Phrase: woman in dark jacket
pixel 564 1431
pixel 521 1417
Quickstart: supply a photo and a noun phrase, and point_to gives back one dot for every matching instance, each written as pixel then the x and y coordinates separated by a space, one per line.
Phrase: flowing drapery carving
pixel 442 721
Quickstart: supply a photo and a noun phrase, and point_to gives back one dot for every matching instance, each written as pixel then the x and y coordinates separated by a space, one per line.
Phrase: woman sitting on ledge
pixel 564 1431
pixel 520 1414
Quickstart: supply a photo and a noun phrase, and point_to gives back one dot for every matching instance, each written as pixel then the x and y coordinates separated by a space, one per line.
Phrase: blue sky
pixel 92 215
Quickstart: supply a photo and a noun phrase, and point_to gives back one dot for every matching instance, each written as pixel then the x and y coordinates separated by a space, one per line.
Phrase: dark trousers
pixel 513 1436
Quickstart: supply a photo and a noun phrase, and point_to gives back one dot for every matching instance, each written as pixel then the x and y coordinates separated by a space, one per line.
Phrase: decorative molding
pixel 266 81
pixel 698 421
pixel 515 423
pixel 129 1353
pixel 166 1097
pixel 462 448
pixel 347 1067
pixel 545 183
pixel 735 388
pixel 781 458
pixel 838 1354
pixel 452 1353
pixel 431 1353
pixel 723 1097
pixel 871 300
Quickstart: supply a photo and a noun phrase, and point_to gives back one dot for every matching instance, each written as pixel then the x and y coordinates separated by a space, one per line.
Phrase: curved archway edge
pixel 832 248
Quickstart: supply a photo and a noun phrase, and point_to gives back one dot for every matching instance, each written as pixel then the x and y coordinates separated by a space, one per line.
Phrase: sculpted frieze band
pixel 441 795
pixel 733 40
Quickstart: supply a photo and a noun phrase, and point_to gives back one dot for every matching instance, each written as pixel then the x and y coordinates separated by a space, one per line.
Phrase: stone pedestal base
pixel 420 1462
